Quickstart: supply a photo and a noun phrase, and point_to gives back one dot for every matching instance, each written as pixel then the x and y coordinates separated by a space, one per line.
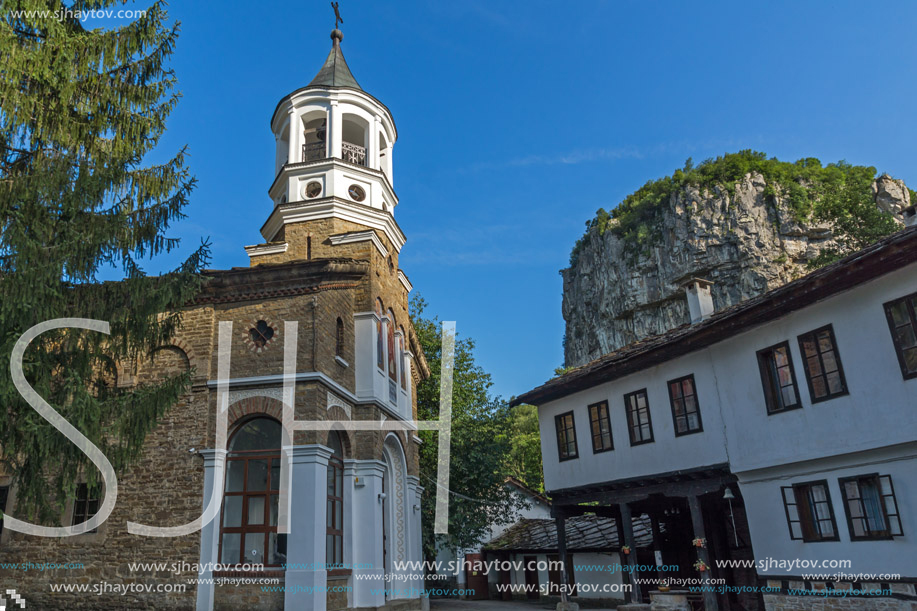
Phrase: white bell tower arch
pixel 334 153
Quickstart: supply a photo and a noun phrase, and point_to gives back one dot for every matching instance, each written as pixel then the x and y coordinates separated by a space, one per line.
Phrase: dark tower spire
pixel 335 73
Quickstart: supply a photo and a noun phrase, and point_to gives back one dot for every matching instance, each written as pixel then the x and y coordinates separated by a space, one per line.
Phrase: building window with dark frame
pixel 600 426
pixel 871 507
pixel 779 378
pixel 334 520
pixel 404 363
pixel 685 408
pixel 809 512
pixel 902 322
pixel 639 424
pixel 566 436
pixel 822 364
pixel 248 530
pixel 86 504
pixel 380 335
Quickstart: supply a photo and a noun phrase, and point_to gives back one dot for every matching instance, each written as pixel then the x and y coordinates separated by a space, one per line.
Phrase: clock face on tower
pixel 357 193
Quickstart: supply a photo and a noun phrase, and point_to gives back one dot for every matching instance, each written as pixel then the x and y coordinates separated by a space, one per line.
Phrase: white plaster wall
pixel 666 453
pixel 600 578
pixel 879 411
pixel 770 533
pixel 873 429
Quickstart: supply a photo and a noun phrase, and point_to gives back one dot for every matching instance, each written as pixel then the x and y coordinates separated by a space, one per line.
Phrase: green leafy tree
pixel 523 461
pixel 478 497
pixel 846 201
pixel 79 110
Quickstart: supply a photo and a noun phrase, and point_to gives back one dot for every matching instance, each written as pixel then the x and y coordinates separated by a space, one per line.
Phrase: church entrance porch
pixel 351 524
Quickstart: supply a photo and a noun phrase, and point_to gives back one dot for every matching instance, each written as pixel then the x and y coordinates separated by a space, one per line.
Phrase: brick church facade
pixel 329 262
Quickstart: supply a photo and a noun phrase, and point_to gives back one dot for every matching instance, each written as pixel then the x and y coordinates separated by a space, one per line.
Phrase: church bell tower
pixel 333 167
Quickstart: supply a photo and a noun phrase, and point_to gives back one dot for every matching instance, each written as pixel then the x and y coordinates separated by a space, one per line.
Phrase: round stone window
pixel 313 189
pixel 260 335
pixel 357 193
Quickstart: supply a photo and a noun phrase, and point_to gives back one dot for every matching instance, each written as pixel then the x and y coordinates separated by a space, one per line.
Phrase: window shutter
pixel 792 513
pixel 891 505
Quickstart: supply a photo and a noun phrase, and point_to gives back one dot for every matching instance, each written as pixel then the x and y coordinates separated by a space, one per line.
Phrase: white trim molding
pixel 266 249
pixel 403 278
pixel 313 376
pixel 360 236
pixel 333 207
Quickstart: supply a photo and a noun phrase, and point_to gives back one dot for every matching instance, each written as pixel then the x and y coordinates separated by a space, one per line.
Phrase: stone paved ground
pixel 452 604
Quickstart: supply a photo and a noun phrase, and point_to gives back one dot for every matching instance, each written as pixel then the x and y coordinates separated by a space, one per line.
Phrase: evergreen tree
pixel 480 444
pixel 79 110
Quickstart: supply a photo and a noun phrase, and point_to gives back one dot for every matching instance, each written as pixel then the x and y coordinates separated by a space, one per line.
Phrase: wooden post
pixel 631 559
pixel 657 550
pixel 560 523
pixel 619 524
pixel 697 520
pixel 506 579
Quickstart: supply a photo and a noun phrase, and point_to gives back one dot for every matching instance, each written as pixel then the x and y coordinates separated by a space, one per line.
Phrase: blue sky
pixel 517 120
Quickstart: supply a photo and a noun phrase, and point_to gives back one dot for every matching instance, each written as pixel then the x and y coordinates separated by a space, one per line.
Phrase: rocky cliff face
pixel 746 244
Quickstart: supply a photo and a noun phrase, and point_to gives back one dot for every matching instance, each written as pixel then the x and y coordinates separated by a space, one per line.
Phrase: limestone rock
pixel 746 244
pixel 891 195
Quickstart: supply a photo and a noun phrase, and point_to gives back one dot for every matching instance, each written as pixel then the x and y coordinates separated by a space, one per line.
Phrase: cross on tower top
pixel 337 15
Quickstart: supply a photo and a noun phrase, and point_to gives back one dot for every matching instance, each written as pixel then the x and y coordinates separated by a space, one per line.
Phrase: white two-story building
pixel 782 429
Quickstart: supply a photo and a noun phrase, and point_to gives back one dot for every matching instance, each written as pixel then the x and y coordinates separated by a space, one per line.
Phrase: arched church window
pixel 314 146
pixel 404 382
pixel 392 363
pixel 248 529
pixel 334 533
pixel 339 338
pixel 380 340
pixel 353 139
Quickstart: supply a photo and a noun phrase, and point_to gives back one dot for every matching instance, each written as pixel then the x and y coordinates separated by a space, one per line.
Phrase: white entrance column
pixel 305 585
pixel 214 460
pixel 367 535
pixel 415 536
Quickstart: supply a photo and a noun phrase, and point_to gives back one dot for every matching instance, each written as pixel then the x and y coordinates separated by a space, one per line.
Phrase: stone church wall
pixel 164 488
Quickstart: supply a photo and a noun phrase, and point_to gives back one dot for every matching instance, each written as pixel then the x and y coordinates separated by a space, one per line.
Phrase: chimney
pixel 910 216
pixel 700 300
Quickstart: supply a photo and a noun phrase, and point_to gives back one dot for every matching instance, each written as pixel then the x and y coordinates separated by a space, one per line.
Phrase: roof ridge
pixel 877 259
